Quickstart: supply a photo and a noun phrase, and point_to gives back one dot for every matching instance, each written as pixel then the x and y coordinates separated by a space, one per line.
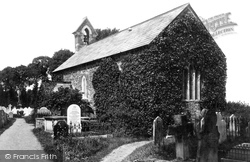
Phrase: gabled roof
pixel 133 37
pixel 84 22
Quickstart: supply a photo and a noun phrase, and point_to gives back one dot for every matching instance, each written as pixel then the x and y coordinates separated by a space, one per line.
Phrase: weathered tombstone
pixel 221 124
pixel 60 129
pixel 40 123
pixel 10 114
pixel 209 138
pixel 181 129
pixel 232 125
pixel 8 109
pixel 158 131
pixel 74 118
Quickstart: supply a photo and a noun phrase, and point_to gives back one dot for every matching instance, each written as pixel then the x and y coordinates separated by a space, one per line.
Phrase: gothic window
pixel 191 84
pixel 86 36
pixel 84 88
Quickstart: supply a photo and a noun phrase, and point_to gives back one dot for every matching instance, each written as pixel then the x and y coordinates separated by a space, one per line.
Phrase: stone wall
pixel 194 108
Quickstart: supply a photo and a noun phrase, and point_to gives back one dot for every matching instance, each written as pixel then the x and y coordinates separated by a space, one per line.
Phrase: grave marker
pixel 74 118
pixel 158 131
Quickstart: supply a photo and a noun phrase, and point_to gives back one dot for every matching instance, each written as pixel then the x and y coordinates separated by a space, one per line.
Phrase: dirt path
pixel 17 140
pixel 123 151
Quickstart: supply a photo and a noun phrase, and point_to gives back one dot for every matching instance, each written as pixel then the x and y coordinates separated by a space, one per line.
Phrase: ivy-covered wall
pixel 151 80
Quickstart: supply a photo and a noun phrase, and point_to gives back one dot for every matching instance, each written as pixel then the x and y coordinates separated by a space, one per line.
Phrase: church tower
pixel 84 35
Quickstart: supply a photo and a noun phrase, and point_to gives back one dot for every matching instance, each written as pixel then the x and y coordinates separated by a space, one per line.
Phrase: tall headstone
pixel 74 118
pixel 221 124
pixel 158 131
pixel 232 125
pixel 209 137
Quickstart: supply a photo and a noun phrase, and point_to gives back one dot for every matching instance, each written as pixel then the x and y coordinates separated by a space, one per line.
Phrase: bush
pixel 238 109
pixel 63 98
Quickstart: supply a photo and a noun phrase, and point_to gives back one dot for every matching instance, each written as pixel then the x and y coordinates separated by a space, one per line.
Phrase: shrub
pixel 63 98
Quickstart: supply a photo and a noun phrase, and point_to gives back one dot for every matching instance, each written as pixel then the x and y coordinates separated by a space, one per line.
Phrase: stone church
pixel 79 69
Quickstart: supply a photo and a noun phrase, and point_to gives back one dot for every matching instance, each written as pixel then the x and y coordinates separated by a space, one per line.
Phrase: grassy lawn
pixel 150 153
pixel 87 149
pixel 6 126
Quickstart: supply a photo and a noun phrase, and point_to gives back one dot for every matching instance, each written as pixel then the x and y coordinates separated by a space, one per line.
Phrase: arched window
pixel 191 84
pixel 86 36
pixel 84 88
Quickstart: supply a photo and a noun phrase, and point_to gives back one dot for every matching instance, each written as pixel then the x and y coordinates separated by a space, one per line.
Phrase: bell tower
pixel 84 35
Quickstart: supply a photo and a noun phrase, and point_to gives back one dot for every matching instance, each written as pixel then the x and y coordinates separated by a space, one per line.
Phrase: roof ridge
pixel 186 4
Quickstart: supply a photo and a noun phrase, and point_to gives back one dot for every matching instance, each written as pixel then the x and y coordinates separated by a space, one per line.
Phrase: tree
pixel 63 98
pixel 103 33
pixel 58 58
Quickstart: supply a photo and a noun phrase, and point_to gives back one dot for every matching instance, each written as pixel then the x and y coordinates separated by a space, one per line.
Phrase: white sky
pixel 32 28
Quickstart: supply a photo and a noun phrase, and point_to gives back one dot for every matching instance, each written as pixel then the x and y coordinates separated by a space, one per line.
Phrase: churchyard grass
pixel 87 149
pixel 9 124
pixel 150 152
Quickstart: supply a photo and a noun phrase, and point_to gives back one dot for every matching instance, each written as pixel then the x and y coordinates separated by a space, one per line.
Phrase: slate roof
pixel 140 35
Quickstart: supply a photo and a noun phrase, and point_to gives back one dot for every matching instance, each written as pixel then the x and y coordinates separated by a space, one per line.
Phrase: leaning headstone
pixel 74 118
pixel 221 124
pixel 158 131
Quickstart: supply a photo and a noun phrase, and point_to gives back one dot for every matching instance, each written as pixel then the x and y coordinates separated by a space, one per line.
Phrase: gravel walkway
pixel 123 151
pixel 19 137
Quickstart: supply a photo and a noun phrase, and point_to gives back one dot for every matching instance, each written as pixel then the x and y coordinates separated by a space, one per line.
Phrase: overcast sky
pixel 32 28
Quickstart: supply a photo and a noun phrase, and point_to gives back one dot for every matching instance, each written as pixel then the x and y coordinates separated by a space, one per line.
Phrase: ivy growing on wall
pixel 106 84
pixel 151 80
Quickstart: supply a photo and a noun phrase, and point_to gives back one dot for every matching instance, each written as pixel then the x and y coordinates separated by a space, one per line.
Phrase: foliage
pixel 62 99
pixel 58 58
pixel 151 81
pixel 7 125
pixel 106 84
pixel 103 33
pixel 150 152
pixel 21 77
pixel 237 108
pixel 86 149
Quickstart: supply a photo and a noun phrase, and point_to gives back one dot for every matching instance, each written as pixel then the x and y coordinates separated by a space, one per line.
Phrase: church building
pixel 79 69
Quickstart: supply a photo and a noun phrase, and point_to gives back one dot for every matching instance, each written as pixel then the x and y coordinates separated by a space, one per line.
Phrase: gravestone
pixel 221 124
pixel 209 137
pixel 10 114
pixel 232 125
pixel 8 109
pixel 74 118
pixel 158 131
pixel 60 129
